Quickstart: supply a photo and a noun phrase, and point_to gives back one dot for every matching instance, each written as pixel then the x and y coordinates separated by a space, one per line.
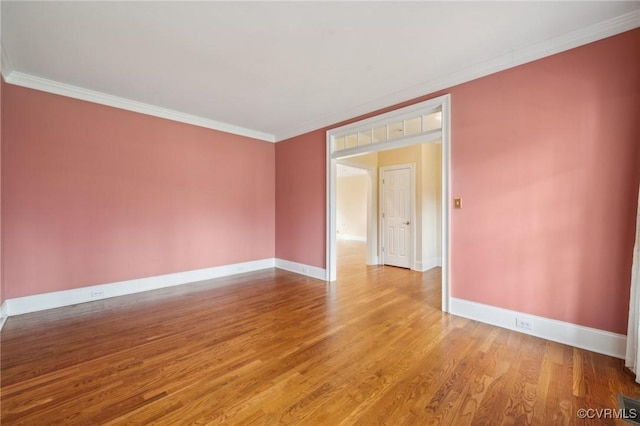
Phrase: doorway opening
pixel 353 218
pixel 417 124
pixel 358 192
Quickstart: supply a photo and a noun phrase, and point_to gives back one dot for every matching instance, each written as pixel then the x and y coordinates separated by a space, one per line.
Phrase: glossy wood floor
pixel 273 347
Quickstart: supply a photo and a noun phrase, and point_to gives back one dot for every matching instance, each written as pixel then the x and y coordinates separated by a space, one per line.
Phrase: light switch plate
pixel 457 203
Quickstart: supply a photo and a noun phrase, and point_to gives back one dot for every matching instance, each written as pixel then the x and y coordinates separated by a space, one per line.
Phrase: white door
pixel 396 217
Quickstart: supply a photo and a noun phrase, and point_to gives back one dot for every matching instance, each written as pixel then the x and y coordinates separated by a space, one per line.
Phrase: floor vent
pixel 631 409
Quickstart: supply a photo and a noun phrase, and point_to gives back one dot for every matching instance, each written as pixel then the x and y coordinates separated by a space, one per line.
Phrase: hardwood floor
pixel 273 347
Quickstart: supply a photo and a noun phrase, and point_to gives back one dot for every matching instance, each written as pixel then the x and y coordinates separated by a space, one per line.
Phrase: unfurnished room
pixel 319 213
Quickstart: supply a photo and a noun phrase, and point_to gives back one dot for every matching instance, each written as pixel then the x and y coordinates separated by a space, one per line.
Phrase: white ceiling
pixel 284 68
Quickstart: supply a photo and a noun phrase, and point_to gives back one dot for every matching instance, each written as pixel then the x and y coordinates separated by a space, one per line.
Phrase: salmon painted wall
pixel 94 195
pixel 545 158
pixel 300 199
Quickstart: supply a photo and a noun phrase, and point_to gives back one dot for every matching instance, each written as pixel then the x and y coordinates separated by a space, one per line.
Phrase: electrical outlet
pixel 524 323
pixel 97 293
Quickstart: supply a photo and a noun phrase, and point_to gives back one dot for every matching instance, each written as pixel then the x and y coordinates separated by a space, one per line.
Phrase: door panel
pixel 397 217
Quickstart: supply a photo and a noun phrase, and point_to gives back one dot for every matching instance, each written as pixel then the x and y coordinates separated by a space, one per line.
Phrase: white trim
pixel 431 263
pixel 3 314
pixel 400 114
pixel 50 86
pixel 40 302
pixel 402 142
pixel 331 259
pixel 412 210
pixel 302 269
pixel 582 36
pixel 445 197
pixel 351 237
pixel 592 339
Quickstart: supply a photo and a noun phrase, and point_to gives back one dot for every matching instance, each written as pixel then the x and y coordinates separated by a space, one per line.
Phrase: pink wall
pixel 545 157
pixel 94 194
pixel 300 199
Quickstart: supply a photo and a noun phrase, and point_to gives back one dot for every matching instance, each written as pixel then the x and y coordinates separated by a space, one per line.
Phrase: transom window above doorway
pixel 409 124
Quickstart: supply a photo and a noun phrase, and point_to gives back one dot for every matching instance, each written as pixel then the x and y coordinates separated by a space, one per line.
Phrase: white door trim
pixel 443 102
pixel 412 210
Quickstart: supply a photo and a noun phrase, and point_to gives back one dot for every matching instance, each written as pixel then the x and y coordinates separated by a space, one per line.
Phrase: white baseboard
pixel 351 237
pixel 3 314
pixel 592 339
pixel 301 268
pixel 39 302
pixel 422 266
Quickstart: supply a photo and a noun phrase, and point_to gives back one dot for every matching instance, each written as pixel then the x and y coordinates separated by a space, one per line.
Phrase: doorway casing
pixel 442 104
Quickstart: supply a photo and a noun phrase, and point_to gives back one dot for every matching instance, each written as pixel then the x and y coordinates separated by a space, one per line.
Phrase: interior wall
pixel 369 160
pixel 370 163
pixel 351 207
pixel 544 157
pixel 431 204
pixel 94 195
pixel 300 199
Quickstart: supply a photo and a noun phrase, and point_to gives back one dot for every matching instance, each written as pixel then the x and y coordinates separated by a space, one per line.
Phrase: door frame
pixel 412 210
pixel 444 103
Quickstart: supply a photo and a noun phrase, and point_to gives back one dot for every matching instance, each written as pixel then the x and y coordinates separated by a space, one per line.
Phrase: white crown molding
pixel 592 339
pixel 301 268
pixel 549 47
pixel 531 53
pixel 50 86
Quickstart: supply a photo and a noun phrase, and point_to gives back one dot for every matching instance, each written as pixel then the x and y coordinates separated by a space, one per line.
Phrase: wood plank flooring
pixel 273 347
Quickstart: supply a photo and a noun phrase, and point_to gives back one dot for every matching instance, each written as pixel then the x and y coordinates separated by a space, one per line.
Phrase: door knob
pixel 407 223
